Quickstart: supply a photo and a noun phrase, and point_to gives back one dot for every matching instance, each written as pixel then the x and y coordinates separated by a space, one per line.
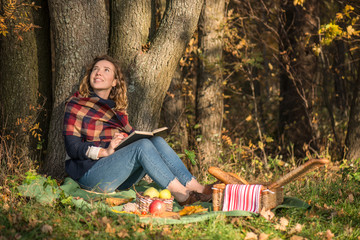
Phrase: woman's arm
pixel 76 148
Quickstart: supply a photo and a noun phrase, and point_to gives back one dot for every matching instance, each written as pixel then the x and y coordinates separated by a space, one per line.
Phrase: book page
pixel 136 135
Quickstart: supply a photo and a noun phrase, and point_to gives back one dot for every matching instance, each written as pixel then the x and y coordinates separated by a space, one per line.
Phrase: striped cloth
pixel 242 197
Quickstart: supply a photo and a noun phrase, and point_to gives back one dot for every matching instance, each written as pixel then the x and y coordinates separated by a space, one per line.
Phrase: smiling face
pixel 102 78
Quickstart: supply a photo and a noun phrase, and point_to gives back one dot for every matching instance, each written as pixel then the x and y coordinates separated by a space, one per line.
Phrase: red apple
pixel 157 207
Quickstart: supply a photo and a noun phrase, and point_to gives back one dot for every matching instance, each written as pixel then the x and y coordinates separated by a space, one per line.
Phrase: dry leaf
pixel 166 231
pixel 18 236
pixel 6 207
pixel 268 215
pixel 105 220
pixel 109 229
pixel 284 222
pixel 123 234
pixel 251 235
pixel 188 210
pixel 46 229
pixel 329 235
pixel 117 201
pixel 263 236
pixel 279 227
pixel 296 229
pixel 295 237
pixel 350 198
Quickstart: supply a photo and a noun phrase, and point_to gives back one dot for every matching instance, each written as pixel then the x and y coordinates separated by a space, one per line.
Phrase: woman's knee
pixel 144 144
pixel 157 140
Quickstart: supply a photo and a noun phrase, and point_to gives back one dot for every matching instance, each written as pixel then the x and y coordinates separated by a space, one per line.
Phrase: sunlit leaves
pixel 330 32
pixel 15 18
pixel 333 30
pixel 299 2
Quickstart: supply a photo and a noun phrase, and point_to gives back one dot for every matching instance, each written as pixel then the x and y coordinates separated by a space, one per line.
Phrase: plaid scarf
pixel 93 120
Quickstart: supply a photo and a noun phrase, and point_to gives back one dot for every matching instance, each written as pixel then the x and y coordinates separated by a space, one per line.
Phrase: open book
pixel 136 135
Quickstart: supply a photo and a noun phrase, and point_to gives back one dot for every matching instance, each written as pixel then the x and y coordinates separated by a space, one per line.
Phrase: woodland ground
pixel 333 193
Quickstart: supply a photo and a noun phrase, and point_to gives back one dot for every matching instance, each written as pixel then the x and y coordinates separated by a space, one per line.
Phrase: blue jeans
pixel 129 164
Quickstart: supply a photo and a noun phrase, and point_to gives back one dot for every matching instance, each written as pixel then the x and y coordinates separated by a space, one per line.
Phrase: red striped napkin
pixel 242 197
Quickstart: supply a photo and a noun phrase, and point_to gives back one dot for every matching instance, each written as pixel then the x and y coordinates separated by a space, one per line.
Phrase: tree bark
pixel 174 111
pixel 25 69
pixel 210 107
pixel 352 138
pixel 80 32
pixel 150 70
pixel 297 74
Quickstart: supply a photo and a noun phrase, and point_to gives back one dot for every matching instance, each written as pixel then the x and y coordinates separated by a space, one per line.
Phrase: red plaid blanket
pixel 242 197
pixel 93 120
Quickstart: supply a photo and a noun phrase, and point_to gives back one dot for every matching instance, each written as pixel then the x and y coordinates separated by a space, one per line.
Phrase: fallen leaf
pixel 46 229
pixel 236 221
pixel 263 236
pixel 284 222
pixel 295 237
pixel 117 201
pixel 279 227
pixel 6 207
pixel 250 235
pixel 268 215
pixel 188 210
pixel 329 235
pixel 123 234
pixel 350 198
pixel 105 220
pixel 109 229
pixel 296 229
pixel 166 231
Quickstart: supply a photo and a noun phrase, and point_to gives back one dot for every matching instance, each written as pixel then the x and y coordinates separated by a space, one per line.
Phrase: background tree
pixel 25 71
pixel 80 32
pixel 298 71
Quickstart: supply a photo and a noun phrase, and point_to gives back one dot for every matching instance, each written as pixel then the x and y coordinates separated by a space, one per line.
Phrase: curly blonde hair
pixel 118 93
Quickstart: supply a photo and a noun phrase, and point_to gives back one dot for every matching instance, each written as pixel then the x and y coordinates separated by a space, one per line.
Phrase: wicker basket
pixel 145 201
pixel 268 198
pixel 271 194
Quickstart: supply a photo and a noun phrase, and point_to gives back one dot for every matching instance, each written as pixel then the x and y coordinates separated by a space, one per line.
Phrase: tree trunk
pixel 174 108
pixel 80 32
pixel 297 76
pixel 209 109
pixel 352 138
pixel 150 70
pixel 25 68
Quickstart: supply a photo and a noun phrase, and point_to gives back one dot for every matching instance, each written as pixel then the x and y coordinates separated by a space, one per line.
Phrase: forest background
pixel 254 87
pixel 246 85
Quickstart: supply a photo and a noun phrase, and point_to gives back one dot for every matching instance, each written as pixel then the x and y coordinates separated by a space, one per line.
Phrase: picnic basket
pixel 272 194
pixel 144 202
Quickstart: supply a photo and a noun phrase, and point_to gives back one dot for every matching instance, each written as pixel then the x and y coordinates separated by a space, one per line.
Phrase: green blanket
pixel 46 193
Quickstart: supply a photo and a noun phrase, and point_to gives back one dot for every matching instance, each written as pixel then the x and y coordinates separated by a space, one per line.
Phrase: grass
pixel 332 193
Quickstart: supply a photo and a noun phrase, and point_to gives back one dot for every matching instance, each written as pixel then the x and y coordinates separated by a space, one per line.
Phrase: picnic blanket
pixel 41 189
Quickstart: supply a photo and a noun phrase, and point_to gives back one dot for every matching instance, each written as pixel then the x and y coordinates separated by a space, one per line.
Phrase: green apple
pixel 151 192
pixel 165 194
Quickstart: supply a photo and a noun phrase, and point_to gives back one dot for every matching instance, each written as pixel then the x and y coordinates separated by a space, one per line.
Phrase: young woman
pixel 96 122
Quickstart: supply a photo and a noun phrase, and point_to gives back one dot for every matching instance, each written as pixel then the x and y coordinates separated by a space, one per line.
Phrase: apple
pixel 157 207
pixel 151 192
pixel 165 194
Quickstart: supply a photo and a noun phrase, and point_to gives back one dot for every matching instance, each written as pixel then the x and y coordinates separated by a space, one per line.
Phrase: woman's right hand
pixel 118 137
